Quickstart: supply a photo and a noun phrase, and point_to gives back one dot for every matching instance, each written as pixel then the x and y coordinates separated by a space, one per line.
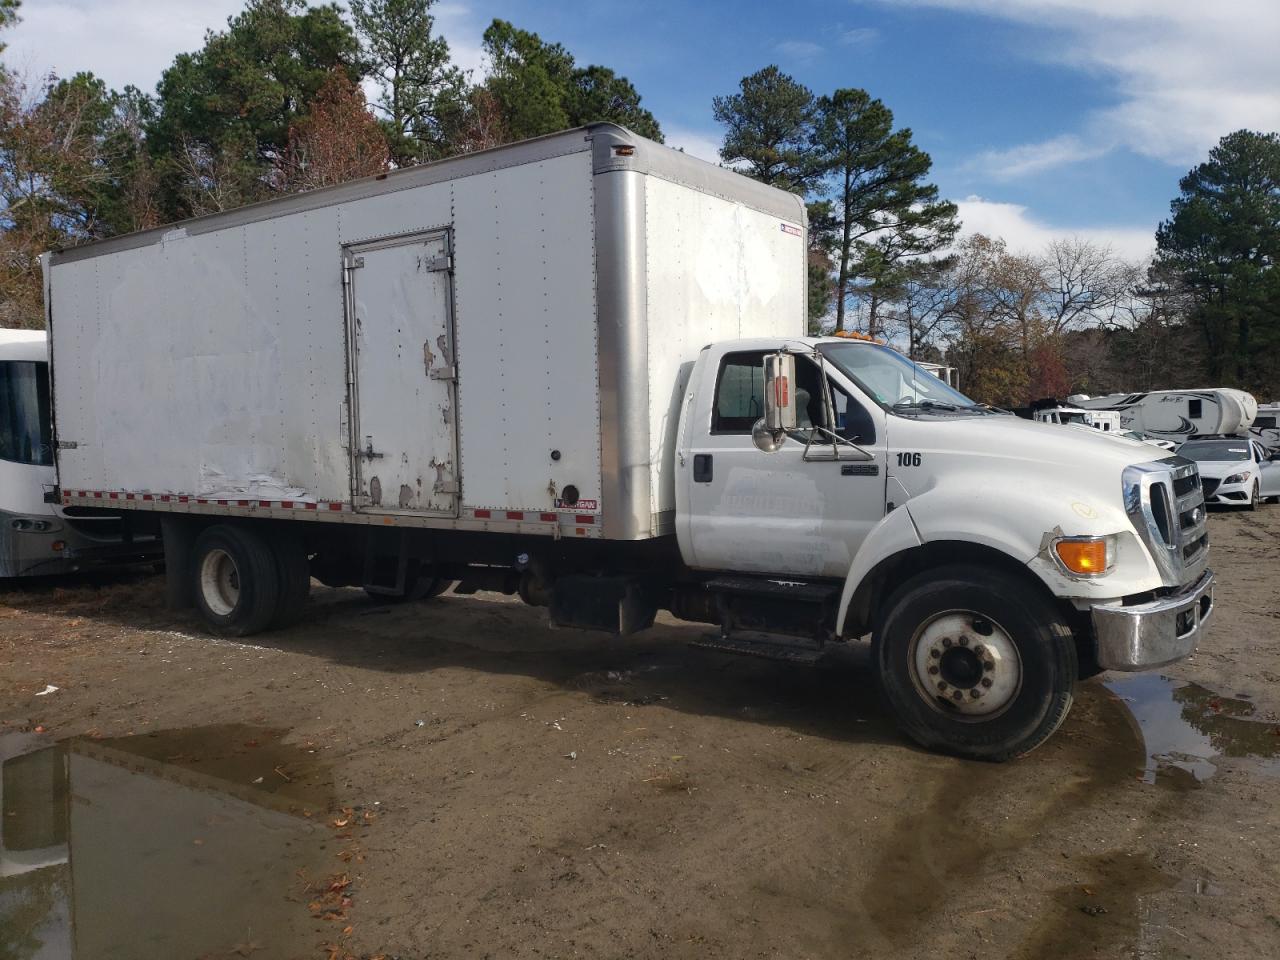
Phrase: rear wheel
pixel 236 580
pixel 975 662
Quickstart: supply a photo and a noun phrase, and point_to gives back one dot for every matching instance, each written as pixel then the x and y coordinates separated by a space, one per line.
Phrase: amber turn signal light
pixel 1083 556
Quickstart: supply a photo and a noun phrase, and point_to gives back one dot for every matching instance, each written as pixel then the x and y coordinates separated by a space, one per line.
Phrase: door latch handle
pixel 367 452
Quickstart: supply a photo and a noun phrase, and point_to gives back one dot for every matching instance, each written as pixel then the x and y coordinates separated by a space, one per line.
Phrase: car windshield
pixel 895 382
pixel 1210 452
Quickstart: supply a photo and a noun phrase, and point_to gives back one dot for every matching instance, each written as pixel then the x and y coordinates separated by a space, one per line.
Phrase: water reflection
pixel 190 843
pixel 1186 726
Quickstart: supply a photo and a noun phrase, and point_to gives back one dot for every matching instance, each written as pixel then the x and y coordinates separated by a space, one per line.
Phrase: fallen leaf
pixel 347 930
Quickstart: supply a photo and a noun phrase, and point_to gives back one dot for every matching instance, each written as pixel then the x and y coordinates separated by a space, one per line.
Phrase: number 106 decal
pixel 908 459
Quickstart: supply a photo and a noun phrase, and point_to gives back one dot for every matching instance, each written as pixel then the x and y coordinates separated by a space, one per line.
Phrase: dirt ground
pixel 455 779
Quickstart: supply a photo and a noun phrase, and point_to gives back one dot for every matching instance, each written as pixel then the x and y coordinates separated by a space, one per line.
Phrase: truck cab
pixel 994 560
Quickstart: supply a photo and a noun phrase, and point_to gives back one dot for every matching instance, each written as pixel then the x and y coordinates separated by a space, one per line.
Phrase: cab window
pixel 740 400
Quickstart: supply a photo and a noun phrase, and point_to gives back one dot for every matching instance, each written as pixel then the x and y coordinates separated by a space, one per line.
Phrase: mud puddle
pixel 207 843
pixel 1186 727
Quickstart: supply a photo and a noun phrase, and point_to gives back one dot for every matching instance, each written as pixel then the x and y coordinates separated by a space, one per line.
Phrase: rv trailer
pixel 1178 414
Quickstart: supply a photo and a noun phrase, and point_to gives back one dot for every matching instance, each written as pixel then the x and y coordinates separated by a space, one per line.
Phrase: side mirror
pixel 770 431
pixel 779 391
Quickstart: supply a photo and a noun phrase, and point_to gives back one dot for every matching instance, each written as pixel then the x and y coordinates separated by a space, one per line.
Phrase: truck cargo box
pixel 491 342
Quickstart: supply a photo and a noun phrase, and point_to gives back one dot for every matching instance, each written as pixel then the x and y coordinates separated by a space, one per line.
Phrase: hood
pixel 1047 443
pixel 1221 469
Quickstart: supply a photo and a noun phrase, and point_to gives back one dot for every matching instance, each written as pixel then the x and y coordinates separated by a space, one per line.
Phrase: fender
pixel 895 533
pixel 1018 524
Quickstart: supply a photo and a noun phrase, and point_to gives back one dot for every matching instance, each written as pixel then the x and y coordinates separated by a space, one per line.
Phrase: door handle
pixel 368 452
pixel 702 468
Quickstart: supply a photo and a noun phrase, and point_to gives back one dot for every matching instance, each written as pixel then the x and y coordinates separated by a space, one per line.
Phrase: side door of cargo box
pixel 403 393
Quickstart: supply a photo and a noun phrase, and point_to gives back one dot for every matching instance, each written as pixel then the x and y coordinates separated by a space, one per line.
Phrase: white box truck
pixel 576 368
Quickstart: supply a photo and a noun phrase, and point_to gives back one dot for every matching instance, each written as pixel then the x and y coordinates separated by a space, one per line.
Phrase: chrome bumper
pixel 1152 634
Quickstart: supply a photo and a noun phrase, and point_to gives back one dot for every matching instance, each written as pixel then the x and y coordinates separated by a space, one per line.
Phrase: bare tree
pixel 338 140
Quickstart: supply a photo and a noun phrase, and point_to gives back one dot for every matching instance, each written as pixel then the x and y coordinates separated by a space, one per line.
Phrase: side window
pixel 852 420
pixel 739 393
pixel 1194 410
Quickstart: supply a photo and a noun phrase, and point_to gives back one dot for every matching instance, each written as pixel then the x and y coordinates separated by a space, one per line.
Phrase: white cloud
pixel 801 50
pixel 702 144
pixel 1032 158
pixel 134 41
pixel 122 41
pixel 1185 72
pixel 1024 233
pixel 860 37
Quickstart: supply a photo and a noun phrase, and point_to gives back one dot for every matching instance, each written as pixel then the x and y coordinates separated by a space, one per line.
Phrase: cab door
pixel 775 513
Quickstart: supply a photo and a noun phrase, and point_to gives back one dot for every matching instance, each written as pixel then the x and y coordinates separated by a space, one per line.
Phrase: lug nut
pixel 964 641
pixel 986 681
pixel 935 653
pixel 975 693
pixel 942 685
pixel 988 664
pixel 946 642
pixel 958 695
pixel 979 649
pixel 933 669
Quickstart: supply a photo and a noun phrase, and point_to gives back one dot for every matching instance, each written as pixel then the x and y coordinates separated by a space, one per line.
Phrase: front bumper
pixel 1152 634
pixel 1226 494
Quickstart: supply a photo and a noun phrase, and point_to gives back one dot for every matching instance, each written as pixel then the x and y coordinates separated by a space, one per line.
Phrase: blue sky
pixel 1043 117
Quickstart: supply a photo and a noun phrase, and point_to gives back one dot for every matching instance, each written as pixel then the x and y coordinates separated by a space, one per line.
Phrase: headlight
pixel 1085 556
pixel 1237 478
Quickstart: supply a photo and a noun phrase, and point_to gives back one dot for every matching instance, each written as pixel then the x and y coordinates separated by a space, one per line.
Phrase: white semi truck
pixel 576 368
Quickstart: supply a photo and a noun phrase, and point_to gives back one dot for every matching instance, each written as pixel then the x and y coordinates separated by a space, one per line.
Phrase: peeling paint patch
pixel 406 495
pixel 375 491
pixel 428 358
pixel 442 342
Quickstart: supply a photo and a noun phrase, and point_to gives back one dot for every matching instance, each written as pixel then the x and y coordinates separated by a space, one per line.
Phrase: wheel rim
pixel 219 582
pixel 965 665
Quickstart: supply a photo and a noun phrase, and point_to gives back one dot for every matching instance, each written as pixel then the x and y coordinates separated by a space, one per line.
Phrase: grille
pixel 1166 503
pixel 1210 488
pixel 1189 497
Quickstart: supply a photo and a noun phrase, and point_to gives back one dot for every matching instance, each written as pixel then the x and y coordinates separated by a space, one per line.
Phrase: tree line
pixel 275 103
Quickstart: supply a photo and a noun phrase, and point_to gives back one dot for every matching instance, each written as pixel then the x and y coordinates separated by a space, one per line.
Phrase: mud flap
pixel 617 605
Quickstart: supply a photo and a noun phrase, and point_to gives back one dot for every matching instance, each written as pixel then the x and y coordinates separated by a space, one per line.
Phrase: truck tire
pixel 974 662
pixel 236 580
pixel 294 570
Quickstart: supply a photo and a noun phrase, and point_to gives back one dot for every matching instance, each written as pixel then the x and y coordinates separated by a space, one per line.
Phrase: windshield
pixel 24 412
pixel 893 381
pixel 1209 452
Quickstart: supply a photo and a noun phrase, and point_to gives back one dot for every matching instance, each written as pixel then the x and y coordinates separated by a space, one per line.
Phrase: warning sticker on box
pixel 793 230
pixel 581 506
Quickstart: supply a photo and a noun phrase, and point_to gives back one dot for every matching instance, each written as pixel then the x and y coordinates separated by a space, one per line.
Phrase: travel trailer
pixel 1179 414
pixel 1266 426
pixel 1104 420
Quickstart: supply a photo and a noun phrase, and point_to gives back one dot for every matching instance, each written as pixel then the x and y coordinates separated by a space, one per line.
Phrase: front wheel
pixel 975 662
pixel 1253 497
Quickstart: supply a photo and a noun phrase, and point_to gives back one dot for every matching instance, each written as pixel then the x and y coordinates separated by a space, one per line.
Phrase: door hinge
pixel 447 486
pixel 436 264
pixel 67 444
pixel 444 373
pixel 355 263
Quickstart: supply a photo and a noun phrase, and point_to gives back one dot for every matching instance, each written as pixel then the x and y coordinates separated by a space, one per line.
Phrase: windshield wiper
pixel 924 405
